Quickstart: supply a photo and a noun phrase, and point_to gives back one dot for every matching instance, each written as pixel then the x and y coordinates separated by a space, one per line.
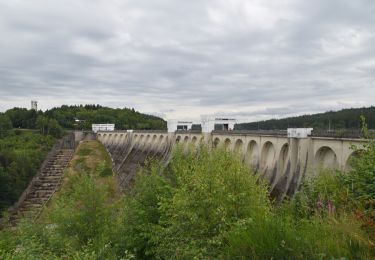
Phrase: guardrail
pixel 252 132
pixel 151 131
pixel 355 134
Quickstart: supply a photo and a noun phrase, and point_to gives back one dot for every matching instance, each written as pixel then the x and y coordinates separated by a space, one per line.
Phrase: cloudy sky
pixel 253 59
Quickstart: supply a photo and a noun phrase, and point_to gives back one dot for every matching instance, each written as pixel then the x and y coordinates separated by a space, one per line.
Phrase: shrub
pixel 103 169
pixel 142 212
pixel 213 192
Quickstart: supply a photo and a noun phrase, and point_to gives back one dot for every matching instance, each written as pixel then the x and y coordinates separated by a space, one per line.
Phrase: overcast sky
pixel 254 59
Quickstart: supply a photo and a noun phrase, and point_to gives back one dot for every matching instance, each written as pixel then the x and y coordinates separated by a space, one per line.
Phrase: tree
pixel 54 128
pixel 42 124
pixel 5 125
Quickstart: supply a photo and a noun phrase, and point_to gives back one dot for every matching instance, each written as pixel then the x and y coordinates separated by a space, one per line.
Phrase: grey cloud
pixel 164 55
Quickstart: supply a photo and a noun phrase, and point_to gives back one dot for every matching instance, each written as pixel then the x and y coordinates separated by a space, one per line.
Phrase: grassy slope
pixel 86 160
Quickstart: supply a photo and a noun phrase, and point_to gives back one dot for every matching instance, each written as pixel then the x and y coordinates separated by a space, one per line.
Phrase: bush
pixel 81 223
pixel 103 169
pixel 142 213
pixel 361 179
pixel 208 205
pixel 5 125
pixel 213 192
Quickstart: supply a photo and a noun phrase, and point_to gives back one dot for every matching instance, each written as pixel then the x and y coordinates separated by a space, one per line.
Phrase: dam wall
pixel 281 160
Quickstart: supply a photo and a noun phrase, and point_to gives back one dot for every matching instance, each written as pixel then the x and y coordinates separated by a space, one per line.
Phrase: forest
pixel 21 154
pixel 332 120
pixel 81 117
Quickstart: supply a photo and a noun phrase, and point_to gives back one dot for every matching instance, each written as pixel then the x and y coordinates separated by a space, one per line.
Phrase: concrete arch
pixel 354 154
pixel 268 155
pixel 238 146
pixel 194 139
pixel 154 138
pixel 186 139
pixel 178 139
pixel 161 137
pixel 325 157
pixel 147 141
pixel 283 159
pixel 227 143
pixel 252 154
pixel 216 142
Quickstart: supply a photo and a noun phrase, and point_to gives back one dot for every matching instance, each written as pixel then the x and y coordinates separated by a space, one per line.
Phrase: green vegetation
pixel 93 114
pixel 21 154
pixel 5 126
pixel 204 205
pixel 52 121
pixel 343 119
pixel 23 118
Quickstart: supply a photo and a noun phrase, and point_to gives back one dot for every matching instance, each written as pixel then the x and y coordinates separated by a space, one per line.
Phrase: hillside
pixel 67 116
pixel 21 154
pixel 343 119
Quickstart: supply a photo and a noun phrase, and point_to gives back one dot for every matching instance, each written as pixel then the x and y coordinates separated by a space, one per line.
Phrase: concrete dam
pixel 282 160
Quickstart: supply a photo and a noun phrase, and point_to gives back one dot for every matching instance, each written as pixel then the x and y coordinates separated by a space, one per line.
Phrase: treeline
pixel 123 118
pixel 21 154
pixel 81 117
pixel 23 118
pixel 333 120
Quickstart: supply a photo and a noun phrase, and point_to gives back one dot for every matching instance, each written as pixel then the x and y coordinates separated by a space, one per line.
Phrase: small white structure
pixel 34 105
pixel 223 123
pixel 103 127
pixel 179 125
pixel 299 132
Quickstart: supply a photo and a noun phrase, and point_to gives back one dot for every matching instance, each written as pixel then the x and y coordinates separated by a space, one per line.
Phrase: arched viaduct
pixel 281 160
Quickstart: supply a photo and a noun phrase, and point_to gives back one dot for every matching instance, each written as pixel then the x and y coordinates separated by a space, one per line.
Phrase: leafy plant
pixel 104 169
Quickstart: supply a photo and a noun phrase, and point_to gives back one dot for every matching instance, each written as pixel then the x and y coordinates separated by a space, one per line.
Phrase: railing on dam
pixel 191 131
pixel 351 134
pixel 252 132
pixel 150 131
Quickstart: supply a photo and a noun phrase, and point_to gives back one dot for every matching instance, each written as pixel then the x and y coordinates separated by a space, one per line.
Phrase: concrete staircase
pixel 43 186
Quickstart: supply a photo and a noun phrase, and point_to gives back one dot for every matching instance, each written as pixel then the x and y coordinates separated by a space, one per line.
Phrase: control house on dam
pixel 281 157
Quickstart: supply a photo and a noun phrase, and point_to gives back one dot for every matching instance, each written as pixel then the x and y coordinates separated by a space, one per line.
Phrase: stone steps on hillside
pixel 44 186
